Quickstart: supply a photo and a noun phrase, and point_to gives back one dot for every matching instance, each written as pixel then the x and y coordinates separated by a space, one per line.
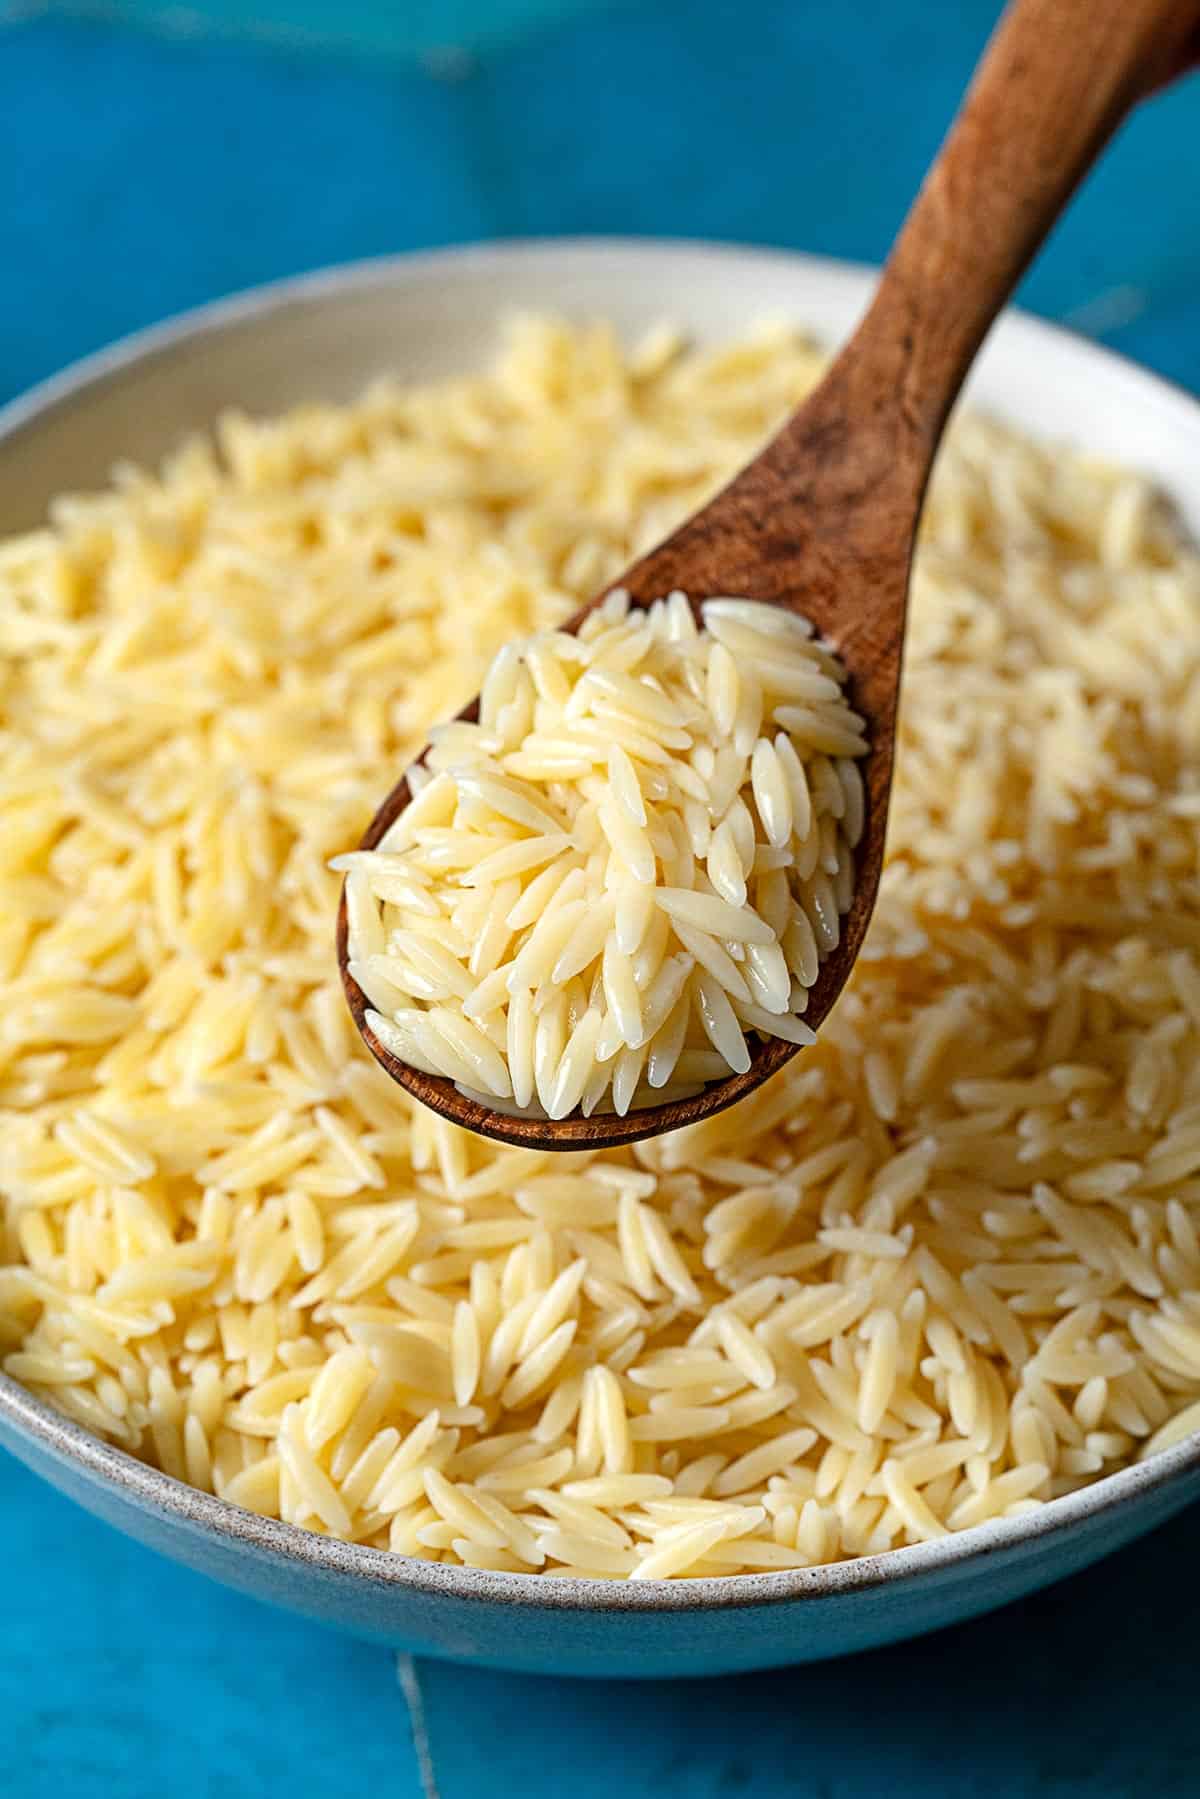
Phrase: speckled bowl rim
pixel 151 1490
pixel 173 1500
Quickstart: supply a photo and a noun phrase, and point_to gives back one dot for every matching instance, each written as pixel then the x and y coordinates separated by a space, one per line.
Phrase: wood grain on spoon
pixel 824 521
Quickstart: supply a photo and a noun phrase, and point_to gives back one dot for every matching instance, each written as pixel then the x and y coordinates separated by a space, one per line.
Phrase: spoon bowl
pixel 824 521
pixel 605 1130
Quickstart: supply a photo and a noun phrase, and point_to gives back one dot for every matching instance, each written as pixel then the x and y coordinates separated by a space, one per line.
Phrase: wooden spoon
pixel 825 519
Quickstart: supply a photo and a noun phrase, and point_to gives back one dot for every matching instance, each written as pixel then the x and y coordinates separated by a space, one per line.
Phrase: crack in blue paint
pixel 408 1678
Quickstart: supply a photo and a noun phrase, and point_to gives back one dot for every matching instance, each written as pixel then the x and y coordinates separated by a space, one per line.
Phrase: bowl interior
pixel 324 337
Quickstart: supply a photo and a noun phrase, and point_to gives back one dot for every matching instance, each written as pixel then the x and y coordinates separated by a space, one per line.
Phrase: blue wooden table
pixel 141 173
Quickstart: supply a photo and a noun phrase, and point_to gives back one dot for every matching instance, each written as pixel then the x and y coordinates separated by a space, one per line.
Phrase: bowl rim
pixel 148 1489
pixel 69 1444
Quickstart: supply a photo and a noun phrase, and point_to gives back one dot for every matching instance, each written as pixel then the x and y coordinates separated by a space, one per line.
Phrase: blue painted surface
pixel 433 29
pixel 124 1677
pixel 140 175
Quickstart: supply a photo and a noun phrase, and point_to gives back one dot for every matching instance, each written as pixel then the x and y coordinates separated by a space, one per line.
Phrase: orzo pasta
pixel 945 1267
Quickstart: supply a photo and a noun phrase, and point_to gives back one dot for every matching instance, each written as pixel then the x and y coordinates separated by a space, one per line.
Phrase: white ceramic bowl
pixel 323 337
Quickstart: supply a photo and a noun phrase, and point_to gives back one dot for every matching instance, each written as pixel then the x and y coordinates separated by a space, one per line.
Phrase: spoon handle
pixel 1056 81
pixel 832 504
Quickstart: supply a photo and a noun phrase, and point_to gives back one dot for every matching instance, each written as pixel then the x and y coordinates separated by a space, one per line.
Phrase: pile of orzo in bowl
pixel 942 1269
